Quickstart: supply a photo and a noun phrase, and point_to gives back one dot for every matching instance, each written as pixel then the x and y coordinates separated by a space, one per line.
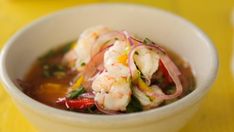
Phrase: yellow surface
pixel 213 16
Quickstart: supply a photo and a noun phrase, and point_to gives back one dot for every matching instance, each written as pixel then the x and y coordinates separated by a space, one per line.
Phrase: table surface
pixel 212 16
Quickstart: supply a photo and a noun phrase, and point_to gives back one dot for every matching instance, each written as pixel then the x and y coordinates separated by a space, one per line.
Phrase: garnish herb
pixel 50 70
pixel 134 105
pixel 91 110
pixel 76 93
pixel 59 74
pixel 160 80
pixel 170 89
pixel 82 64
pixel 47 73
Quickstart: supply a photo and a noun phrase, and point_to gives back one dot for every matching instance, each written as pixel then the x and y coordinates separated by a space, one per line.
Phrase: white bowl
pixel 163 27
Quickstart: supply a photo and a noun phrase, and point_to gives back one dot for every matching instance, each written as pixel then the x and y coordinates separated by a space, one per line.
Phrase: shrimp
pixel 147 61
pixel 85 43
pixel 112 88
pixel 148 101
pixel 111 93
pixel 115 59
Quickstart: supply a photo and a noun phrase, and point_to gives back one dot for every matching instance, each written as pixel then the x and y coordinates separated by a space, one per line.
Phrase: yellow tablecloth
pixel 213 16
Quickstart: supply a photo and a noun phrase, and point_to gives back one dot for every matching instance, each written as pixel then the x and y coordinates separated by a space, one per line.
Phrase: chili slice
pixel 78 104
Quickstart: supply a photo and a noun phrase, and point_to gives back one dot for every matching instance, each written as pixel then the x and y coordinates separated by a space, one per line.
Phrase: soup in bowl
pixel 125 83
pixel 108 72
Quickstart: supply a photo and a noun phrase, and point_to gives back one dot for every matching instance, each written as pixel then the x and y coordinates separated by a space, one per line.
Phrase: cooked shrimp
pixel 111 93
pixel 148 101
pixel 85 43
pixel 147 61
pixel 115 59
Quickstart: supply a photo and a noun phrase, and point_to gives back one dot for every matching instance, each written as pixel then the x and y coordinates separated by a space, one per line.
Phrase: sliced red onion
pixel 167 62
pixel 93 67
pixel 132 38
pixel 126 34
pixel 61 100
pixel 174 74
pixel 151 94
pixel 106 40
pixel 131 64
pixel 153 44
pixel 109 112
pixel 164 58
pixel 87 95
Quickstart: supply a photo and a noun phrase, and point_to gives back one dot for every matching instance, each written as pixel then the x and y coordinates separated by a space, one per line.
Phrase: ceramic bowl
pixel 164 28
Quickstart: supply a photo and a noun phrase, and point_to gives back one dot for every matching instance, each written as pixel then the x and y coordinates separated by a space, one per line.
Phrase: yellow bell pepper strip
pixel 78 83
pixel 148 91
pixel 143 86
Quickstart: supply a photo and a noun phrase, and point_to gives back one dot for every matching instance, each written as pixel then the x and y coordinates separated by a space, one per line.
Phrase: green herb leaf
pixel 76 93
pixel 59 74
pixel 134 105
pixel 46 73
pixel 91 110
pixel 170 89
pixel 82 64
pixel 160 80
pixel 50 70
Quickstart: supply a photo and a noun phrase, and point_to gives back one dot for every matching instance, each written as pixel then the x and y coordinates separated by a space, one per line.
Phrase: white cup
pixel 167 29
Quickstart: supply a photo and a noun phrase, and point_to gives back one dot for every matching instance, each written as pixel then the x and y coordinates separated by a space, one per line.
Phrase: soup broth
pixel 49 79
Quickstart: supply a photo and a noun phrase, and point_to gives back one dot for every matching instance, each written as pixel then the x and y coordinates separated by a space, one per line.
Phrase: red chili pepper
pixel 80 103
pixel 165 72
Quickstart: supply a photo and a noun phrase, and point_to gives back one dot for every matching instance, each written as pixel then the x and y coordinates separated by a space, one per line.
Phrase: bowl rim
pixel 86 118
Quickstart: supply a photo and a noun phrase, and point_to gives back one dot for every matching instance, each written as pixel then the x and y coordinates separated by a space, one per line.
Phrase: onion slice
pixel 128 37
pixel 174 74
pixel 93 67
pixel 153 44
pixel 167 62
pixel 88 95
pixel 95 63
pixel 106 40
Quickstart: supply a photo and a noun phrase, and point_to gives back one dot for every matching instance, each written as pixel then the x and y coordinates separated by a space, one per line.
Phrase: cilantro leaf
pixel 134 105
pixel 76 93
